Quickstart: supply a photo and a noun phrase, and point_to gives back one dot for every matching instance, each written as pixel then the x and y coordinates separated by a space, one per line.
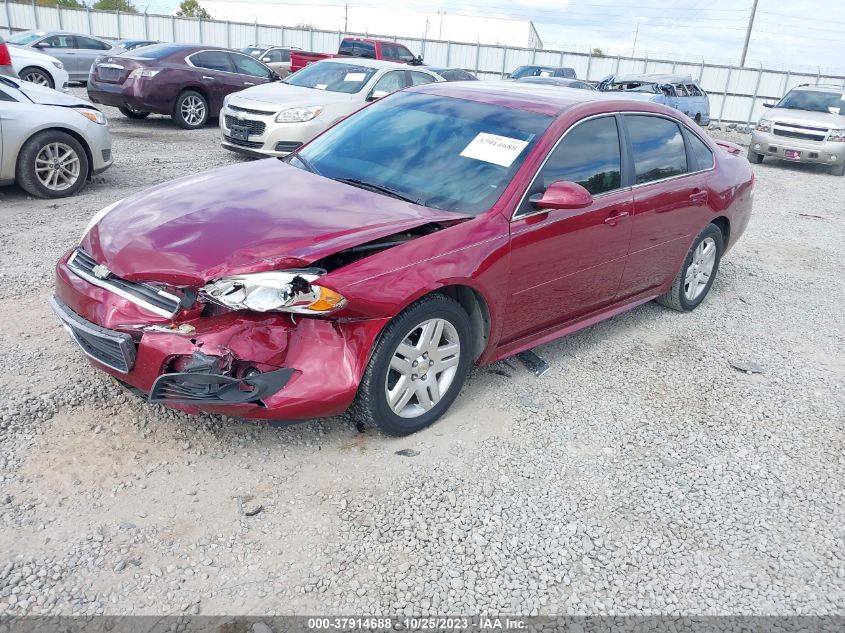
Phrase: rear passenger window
pixel 693 90
pixel 658 146
pixel 213 60
pixel 682 92
pixel 418 79
pixel 589 155
pixel 91 44
pixel 700 152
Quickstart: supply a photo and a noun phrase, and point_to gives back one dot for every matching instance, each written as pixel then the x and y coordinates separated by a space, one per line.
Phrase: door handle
pixel 615 216
pixel 699 197
pixel 208 78
pixel 248 83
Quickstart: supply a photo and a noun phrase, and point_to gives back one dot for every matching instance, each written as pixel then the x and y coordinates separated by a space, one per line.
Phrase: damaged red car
pixel 442 227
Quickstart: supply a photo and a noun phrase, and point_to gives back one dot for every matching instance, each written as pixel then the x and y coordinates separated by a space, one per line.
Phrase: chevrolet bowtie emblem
pixel 100 271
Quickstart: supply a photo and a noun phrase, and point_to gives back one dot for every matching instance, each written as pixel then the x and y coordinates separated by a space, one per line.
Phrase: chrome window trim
pixel 515 216
pixel 101 283
pixel 190 63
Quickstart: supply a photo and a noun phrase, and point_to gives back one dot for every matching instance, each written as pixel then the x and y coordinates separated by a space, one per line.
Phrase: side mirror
pixel 420 60
pixel 274 76
pixel 39 45
pixel 266 60
pixel 562 195
pixel 768 105
pixel 375 95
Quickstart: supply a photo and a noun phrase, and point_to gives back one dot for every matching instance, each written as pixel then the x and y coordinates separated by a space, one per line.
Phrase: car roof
pixel 551 81
pixel 655 78
pixel 821 88
pixel 542 99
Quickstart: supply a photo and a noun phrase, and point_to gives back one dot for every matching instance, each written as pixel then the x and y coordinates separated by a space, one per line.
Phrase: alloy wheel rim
pixel 57 166
pixel 700 269
pixel 36 78
pixel 193 110
pixel 422 368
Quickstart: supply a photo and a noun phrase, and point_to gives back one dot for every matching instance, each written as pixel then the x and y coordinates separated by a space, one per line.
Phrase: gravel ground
pixel 643 474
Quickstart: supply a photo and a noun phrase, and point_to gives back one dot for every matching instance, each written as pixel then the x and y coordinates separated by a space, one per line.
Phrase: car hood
pixel 43 95
pixel 282 95
pixel 256 216
pixel 806 117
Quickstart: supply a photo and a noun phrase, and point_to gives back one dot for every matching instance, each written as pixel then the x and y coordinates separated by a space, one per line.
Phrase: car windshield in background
pixel 531 71
pixel 25 38
pixel 814 101
pixel 444 153
pixel 156 51
pixel 332 76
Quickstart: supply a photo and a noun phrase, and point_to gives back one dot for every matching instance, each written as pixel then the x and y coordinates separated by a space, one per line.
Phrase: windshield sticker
pixel 492 148
pixel 355 77
pixel 545 73
pixel 321 86
pixel 834 110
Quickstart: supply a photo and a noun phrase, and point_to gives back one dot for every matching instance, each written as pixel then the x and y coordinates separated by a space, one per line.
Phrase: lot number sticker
pixel 492 148
pixel 355 77
pixel 321 86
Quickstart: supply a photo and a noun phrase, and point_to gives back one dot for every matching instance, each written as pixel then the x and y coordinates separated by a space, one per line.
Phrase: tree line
pixel 187 8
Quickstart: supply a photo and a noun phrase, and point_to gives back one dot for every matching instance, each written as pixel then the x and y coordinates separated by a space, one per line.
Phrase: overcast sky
pixel 798 34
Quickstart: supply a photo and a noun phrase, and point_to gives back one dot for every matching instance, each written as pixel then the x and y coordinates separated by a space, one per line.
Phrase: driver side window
pixel 391 82
pixel 248 66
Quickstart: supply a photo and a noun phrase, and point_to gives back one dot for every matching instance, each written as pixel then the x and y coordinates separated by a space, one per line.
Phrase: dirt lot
pixel 642 474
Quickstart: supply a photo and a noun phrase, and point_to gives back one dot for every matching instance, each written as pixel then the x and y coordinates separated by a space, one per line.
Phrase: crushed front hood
pixel 256 216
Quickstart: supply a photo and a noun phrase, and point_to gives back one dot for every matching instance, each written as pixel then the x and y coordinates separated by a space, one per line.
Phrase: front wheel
pixel 191 110
pixel 37 76
pixel 754 158
pixel 693 281
pixel 52 164
pixel 418 367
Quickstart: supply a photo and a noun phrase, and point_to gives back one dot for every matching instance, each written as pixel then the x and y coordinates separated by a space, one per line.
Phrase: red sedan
pixel 442 227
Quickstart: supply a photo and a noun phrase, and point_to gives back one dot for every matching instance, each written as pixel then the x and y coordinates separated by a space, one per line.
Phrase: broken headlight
pixel 275 291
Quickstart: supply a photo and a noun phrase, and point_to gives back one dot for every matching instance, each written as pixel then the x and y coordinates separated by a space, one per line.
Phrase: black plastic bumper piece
pixel 202 388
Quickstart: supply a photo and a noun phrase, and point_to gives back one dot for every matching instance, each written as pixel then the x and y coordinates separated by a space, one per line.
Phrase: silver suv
pixel 805 126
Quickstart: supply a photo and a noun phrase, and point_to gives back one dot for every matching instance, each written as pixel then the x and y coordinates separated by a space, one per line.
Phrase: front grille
pixel 237 141
pixel 804 132
pixel 145 295
pixel 256 128
pixel 248 111
pixel 112 349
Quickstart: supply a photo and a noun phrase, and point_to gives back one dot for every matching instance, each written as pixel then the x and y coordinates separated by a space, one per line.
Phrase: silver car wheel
pixel 193 110
pixel 700 269
pixel 57 166
pixel 422 368
pixel 36 77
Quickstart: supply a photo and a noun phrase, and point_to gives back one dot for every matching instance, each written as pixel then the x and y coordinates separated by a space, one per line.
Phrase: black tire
pixel 697 119
pixel 677 298
pixel 754 158
pixel 838 170
pixel 134 114
pixel 371 405
pixel 27 175
pixel 184 120
pixel 36 75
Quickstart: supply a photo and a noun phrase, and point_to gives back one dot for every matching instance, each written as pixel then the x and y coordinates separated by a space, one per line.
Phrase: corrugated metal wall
pixel 735 94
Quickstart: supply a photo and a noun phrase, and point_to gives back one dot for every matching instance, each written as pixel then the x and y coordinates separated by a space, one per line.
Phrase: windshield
pixel 814 101
pixel 440 152
pixel 253 50
pixel 331 76
pixel 532 71
pixel 25 38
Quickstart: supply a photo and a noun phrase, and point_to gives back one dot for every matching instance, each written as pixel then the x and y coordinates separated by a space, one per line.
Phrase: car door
pixel 566 263
pixel 250 71
pixel 216 74
pixel 63 48
pixel 88 49
pixel 699 105
pixel 670 202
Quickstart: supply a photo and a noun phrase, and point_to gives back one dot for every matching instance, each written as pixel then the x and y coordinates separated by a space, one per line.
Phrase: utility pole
pixel 440 32
pixel 636 34
pixel 345 18
pixel 748 33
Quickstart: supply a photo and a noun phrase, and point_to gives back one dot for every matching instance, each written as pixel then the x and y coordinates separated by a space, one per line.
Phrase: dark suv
pixel 185 81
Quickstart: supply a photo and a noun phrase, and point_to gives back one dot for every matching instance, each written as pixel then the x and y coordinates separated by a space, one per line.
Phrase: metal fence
pixel 736 94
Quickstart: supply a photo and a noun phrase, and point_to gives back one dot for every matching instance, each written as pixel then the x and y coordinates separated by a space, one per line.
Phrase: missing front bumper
pixel 202 388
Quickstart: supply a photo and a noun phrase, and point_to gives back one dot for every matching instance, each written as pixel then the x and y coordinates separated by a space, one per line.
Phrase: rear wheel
pixel 694 280
pixel 754 157
pixel 52 164
pixel 133 113
pixel 418 367
pixel 37 76
pixel 191 110
pixel 838 170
